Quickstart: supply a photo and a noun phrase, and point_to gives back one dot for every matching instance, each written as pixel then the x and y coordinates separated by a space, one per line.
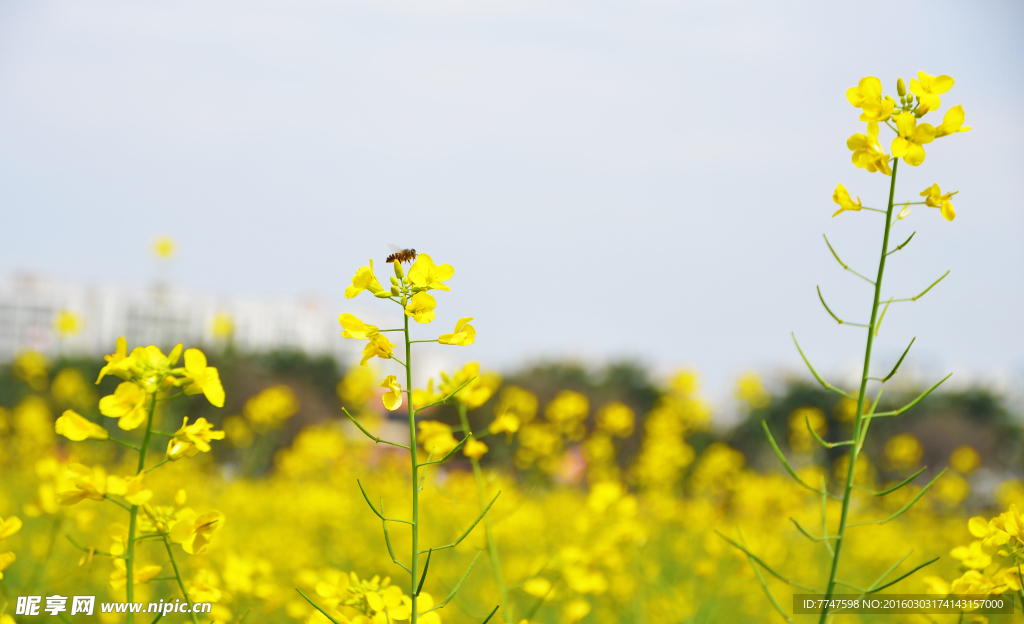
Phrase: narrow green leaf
pixel 375 439
pixel 488 618
pixel 477 521
pixel 900 361
pixel 827 445
pixel 367 499
pixel 915 401
pixel 423 578
pixel 789 469
pixel 317 607
pixel 767 567
pixel 811 537
pixel 901 483
pixel 900 578
pixel 905 507
pixel 824 384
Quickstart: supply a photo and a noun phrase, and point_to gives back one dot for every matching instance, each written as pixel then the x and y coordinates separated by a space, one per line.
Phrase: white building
pixel 163 316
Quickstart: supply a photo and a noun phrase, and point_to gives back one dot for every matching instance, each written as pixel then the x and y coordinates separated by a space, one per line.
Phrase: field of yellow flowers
pixel 580 534
pixel 156 477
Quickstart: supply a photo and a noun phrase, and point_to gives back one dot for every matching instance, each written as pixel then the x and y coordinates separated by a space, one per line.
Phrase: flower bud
pixel 904 213
pixel 922 110
pixel 394 291
pixel 399 271
pixel 394 281
pixel 901 88
pixel 384 294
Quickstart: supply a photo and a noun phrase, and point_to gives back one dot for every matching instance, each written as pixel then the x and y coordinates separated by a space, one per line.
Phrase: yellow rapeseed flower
pixel 867 151
pixel 425 396
pixel 421 307
pixel 436 437
pixel 117 362
pixel 127 404
pixel 393 398
pixel 364 279
pixel 223 325
pixel 465 334
pixel 198 378
pixel 476 392
pixel 952 122
pixel 74 426
pixel 909 145
pixel 842 197
pixel 192 439
pixel 354 328
pixel 425 274
pixel 903 451
pixel 377 345
pixel 867 96
pixel 272 406
pixel 965 459
pixel 928 88
pixel 6 559
pixel 934 198
pixel 87 482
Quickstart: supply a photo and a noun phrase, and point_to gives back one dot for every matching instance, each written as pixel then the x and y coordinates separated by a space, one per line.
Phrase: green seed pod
pixel 382 294
pixel 901 88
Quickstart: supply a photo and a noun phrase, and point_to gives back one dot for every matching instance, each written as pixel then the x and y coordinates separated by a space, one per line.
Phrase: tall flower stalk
pixel 411 292
pixel 868 154
pixel 147 374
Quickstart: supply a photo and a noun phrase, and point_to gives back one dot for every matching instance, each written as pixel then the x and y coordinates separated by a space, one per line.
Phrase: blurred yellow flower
pixel 750 390
pixel 67 323
pixel 357 386
pixel 800 438
pixel 70 388
pixel 130 488
pixel 616 418
pixel 87 482
pixel 567 412
pixel 425 274
pixel 32 368
pixel 10 526
pixel 952 122
pixel 909 145
pixel 74 426
pixel 474 449
pixel 393 398
pixel 6 559
pixel 928 89
pixel 199 378
pixel 421 307
pixel 192 439
pixel 867 151
pixel 465 334
pixel 934 198
pixel 903 451
pixel 223 325
pixel 436 437
pixel 272 406
pixel 127 404
pixel 194 532
pixel 364 279
pixel 425 396
pixel 965 459
pixel 842 197
pixel 476 392
pixel 164 247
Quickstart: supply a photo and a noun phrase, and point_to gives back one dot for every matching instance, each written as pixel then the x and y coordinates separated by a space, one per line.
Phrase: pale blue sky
pixel 646 179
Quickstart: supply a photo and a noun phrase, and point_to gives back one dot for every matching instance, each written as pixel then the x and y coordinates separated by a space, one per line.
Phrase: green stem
pixel 492 545
pixel 414 566
pixel 854 451
pixel 177 575
pixel 134 513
